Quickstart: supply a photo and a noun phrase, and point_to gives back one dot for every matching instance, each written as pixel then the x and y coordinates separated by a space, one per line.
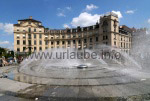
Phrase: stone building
pixel 30 35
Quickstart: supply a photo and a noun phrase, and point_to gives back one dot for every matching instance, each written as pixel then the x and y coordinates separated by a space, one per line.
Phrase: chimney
pixel 30 17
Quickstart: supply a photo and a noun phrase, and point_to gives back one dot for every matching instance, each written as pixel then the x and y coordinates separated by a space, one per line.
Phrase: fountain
pixel 88 73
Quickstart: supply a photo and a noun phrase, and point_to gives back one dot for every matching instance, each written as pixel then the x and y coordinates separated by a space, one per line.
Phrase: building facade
pixel 31 36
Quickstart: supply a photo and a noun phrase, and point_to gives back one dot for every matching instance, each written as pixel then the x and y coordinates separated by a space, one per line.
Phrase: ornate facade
pixel 30 35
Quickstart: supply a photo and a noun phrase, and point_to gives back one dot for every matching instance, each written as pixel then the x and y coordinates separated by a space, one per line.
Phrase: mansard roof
pixel 32 20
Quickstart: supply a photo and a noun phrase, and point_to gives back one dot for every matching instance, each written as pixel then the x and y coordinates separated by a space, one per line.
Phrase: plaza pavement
pixel 107 89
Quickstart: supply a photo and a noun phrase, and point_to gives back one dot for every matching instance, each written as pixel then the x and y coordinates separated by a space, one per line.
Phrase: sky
pixel 59 14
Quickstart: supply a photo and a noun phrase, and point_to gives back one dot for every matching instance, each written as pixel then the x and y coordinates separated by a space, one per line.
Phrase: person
pixel 15 60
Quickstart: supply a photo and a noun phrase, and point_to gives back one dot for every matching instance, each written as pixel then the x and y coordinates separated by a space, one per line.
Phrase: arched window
pixel 29 29
pixel 105 23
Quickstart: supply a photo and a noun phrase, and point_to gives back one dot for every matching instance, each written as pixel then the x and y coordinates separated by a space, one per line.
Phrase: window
pixel 105 43
pixel 18 49
pixel 18 42
pixel 40 30
pixel 34 48
pixel 46 42
pixel 63 42
pixel 46 36
pixel 30 49
pixel 63 36
pixel 84 40
pixel 79 41
pixel 90 39
pixel 105 25
pixel 57 42
pixel 114 36
pixel 105 37
pixel 40 48
pixel 96 39
pixel 24 42
pixel 34 42
pixel 29 36
pixel 115 43
pixel 74 35
pixel 18 36
pixel 68 42
pixel 90 33
pixel 24 48
pixel 24 36
pixel 52 43
pixel 34 29
pixel 29 29
pixel 69 36
pixel 40 36
pixel 34 35
pixel 29 22
pixel 46 47
pixel 79 35
pixel 74 41
pixel 124 45
pixel 40 42
pixel 29 42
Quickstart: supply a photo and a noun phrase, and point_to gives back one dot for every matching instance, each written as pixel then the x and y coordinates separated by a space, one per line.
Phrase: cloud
pixel 85 19
pixel 66 26
pixel 4 42
pixel 61 14
pixel 91 7
pixel 11 47
pixel 118 13
pixel 6 27
pixel 130 12
pixel 1 26
pixel 148 21
pixel 68 8
pixel 7 44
